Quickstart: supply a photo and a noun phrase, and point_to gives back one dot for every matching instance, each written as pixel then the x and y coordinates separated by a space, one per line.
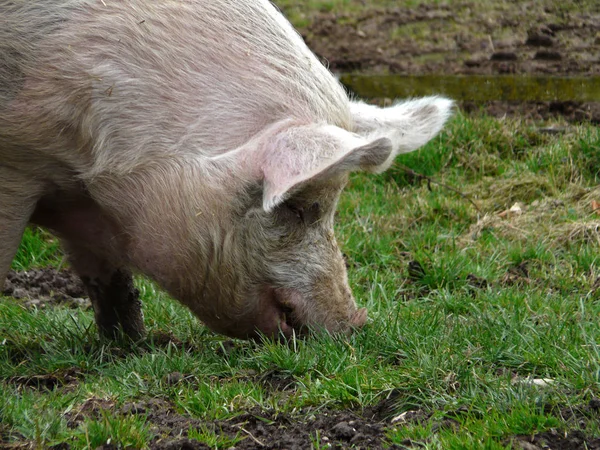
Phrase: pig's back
pixel 124 80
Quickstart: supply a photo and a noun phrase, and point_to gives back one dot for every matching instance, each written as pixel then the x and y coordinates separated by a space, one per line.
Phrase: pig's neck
pixel 176 216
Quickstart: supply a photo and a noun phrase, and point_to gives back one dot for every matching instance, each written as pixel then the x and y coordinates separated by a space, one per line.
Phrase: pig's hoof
pixel 359 319
pixel 117 306
pixel 117 332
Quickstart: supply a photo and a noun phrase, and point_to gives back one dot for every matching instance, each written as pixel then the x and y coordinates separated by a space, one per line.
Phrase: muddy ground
pixel 464 38
pixel 467 38
pixel 41 287
pixel 341 429
pixel 351 428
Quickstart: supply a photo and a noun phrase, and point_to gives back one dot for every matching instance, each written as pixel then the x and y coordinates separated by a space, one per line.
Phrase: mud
pixel 575 112
pixel 40 288
pixel 254 429
pixel 459 38
pixel 555 440
pixel 467 38
pixel 330 428
pixel 265 430
pixel 60 379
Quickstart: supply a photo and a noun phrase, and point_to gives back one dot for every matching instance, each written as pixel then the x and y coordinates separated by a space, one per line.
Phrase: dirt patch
pixel 66 378
pixel 250 430
pixel 462 38
pixel 555 440
pixel 39 288
pixel 91 408
pixel 465 38
pixel 337 429
pixel 258 429
pixel 575 439
pixel 571 111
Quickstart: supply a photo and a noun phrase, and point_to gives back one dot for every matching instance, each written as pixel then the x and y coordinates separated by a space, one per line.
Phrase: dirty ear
pixel 408 125
pixel 300 155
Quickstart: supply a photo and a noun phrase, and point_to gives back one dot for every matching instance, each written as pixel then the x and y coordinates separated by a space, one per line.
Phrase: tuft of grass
pixel 38 249
pixel 213 438
pixel 119 431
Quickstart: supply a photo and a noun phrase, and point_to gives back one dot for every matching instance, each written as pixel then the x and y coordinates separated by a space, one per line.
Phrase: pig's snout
pixel 359 318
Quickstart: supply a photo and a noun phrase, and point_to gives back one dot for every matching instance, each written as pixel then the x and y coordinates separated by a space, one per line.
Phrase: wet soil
pixel 574 112
pixel 334 429
pixel 265 430
pixel 39 288
pixel 465 38
pixel 574 440
pixel 252 429
pixel 64 379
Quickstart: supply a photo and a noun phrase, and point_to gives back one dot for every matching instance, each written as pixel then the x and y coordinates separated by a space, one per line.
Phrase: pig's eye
pixel 296 211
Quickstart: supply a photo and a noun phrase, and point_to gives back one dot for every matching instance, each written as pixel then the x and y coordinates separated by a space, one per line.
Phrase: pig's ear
pixel 408 125
pixel 301 155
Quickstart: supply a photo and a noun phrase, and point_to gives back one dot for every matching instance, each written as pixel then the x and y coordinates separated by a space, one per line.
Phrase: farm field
pixel 443 37
pixel 478 258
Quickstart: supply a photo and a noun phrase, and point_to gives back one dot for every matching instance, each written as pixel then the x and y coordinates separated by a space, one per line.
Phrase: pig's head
pixel 280 270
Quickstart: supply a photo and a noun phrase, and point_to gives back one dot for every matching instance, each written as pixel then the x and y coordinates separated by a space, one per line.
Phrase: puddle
pixel 476 88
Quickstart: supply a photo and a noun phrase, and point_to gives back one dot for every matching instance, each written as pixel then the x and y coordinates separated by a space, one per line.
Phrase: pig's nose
pixel 359 318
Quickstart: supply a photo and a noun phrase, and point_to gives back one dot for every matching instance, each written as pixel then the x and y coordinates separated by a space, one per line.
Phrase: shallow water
pixel 478 88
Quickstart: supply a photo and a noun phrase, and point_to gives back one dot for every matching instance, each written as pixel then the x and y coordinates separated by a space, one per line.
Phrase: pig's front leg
pixel 18 197
pixel 93 245
pixel 115 299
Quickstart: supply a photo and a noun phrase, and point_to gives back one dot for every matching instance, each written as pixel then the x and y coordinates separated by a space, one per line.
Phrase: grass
pixel 503 298
pixel 38 249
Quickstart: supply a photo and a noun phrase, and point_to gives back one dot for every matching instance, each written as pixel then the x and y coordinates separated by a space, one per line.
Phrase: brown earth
pixel 575 112
pixel 526 37
pixel 46 287
pixel 467 38
pixel 339 429
pixel 258 429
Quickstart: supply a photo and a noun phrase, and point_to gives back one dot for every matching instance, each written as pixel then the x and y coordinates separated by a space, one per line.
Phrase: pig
pixel 200 143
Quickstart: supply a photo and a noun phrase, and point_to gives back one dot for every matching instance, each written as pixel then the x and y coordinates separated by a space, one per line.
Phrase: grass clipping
pixel 572 218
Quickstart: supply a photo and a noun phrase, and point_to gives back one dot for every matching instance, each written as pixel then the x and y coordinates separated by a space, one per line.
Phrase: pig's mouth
pixel 277 316
pixel 280 316
pixel 288 323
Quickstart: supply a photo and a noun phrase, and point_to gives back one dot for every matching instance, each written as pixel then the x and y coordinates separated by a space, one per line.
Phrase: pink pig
pixel 200 143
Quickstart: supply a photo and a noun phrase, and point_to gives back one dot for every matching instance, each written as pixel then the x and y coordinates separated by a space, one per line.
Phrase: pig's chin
pixel 268 318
